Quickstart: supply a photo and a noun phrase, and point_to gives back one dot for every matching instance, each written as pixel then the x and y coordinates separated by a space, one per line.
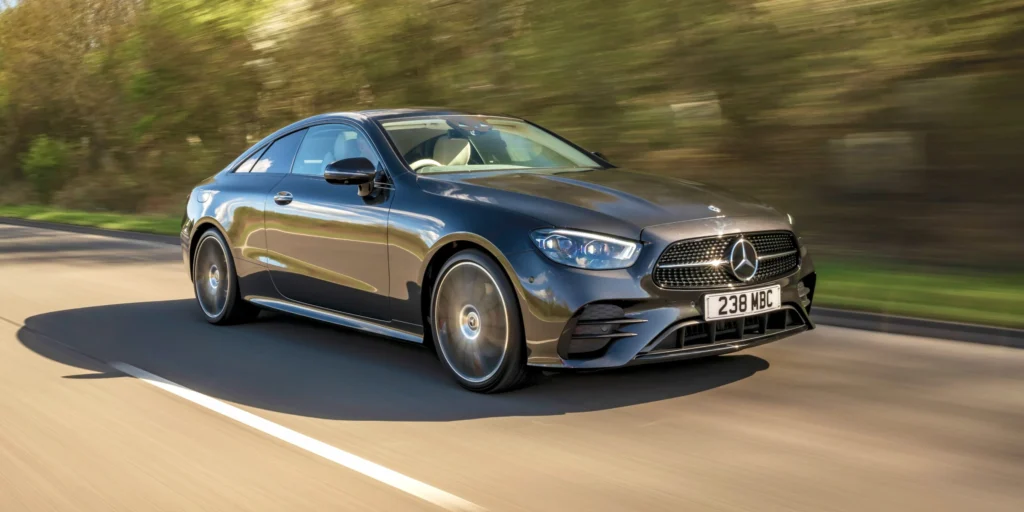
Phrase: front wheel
pixel 477 325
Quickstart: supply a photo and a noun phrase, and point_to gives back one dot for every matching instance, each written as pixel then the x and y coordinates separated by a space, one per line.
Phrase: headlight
pixel 586 250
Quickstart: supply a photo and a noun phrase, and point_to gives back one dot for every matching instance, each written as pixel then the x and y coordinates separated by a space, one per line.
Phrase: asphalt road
pixel 831 420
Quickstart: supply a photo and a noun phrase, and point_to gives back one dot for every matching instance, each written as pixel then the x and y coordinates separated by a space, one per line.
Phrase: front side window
pixel 277 159
pixel 329 143
pixel 476 143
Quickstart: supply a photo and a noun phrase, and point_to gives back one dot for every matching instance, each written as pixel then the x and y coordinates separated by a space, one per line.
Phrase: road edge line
pixel 355 463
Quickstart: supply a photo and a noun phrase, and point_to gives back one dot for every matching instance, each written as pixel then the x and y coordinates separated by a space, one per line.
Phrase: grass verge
pixel 990 299
pixel 960 296
pixel 157 224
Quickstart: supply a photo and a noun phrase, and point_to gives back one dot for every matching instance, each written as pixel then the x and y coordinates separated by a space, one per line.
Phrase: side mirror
pixel 352 171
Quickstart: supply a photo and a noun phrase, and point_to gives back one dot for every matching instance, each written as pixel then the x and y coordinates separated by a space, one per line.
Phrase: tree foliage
pixel 45 164
pixel 895 111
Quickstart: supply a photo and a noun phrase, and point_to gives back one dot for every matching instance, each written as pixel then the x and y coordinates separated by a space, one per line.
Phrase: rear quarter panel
pixel 234 205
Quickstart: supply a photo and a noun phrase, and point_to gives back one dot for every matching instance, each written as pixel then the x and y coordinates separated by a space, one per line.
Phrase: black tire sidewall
pixel 513 364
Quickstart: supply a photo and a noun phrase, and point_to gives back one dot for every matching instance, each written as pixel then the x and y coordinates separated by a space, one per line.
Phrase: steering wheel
pixel 424 163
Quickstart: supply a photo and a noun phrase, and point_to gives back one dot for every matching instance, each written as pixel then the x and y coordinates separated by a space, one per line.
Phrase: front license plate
pixel 748 302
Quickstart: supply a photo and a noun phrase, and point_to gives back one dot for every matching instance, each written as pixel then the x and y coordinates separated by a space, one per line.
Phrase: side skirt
pixel 331 317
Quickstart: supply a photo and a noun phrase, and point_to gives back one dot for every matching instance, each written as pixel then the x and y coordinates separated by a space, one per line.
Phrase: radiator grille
pixel 703 262
pixel 695 251
pixel 692 277
pixel 773 242
pixel 776 267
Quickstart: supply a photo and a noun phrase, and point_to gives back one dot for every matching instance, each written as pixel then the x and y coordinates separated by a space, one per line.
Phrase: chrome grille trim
pixel 776 255
pixel 712 263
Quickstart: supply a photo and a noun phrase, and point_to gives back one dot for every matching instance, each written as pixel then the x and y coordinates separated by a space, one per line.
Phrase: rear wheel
pixel 216 283
pixel 477 325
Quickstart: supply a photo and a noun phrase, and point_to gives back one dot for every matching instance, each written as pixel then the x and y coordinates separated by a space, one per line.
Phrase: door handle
pixel 283 198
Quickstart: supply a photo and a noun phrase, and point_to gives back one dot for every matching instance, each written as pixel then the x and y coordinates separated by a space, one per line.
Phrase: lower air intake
pixel 700 333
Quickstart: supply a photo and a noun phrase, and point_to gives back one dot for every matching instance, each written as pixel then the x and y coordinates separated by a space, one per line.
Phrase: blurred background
pixel 892 130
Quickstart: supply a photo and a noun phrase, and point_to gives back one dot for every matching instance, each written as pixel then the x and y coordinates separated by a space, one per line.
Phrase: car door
pixel 327 245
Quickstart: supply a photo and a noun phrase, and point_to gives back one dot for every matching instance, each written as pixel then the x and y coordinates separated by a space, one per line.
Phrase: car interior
pixel 326 144
pixel 474 144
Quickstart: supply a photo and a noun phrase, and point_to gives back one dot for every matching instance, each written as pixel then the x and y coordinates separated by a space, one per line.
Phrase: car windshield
pixel 479 143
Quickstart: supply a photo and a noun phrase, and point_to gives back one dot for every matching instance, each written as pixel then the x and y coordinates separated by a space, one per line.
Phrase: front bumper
pixel 554 301
pixel 673 346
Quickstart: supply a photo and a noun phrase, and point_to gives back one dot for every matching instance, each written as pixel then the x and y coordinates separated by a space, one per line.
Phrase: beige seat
pixel 452 151
pixel 338 151
pixel 349 148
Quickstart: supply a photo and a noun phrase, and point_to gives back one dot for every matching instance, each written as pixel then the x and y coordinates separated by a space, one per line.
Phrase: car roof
pixel 384 114
pixel 391 113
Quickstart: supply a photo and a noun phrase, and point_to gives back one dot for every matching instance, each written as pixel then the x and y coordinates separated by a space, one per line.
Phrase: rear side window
pixel 248 164
pixel 278 157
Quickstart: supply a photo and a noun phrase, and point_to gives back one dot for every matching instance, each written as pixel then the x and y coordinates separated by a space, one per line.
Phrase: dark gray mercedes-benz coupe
pixel 503 245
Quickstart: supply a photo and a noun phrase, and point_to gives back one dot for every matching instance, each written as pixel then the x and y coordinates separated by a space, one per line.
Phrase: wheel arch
pixel 201 226
pixel 443 251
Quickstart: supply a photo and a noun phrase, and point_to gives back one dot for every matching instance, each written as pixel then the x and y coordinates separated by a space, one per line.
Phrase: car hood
pixel 613 201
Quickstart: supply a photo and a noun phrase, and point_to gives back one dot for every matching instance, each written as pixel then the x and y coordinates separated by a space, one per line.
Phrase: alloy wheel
pixel 472 322
pixel 211 276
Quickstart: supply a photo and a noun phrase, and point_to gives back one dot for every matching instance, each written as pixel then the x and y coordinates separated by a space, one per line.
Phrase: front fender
pixel 422 228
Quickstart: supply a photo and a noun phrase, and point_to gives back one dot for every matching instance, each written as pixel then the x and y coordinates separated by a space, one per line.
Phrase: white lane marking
pixel 353 462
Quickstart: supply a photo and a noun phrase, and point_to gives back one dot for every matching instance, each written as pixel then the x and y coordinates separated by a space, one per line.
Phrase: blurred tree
pixel 45 165
pixel 155 94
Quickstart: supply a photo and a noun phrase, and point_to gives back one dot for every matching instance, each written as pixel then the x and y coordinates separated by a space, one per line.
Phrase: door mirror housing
pixel 350 171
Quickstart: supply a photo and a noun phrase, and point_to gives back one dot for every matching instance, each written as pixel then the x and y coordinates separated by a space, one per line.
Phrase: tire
pixel 216 284
pixel 477 325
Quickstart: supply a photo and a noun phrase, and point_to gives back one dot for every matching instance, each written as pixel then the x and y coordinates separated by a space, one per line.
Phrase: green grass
pixel 158 224
pixel 973 297
pixel 962 296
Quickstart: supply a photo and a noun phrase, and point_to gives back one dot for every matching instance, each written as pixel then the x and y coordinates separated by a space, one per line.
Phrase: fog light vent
pixel 586 329
pixel 596 327
pixel 805 290
pixel 602 312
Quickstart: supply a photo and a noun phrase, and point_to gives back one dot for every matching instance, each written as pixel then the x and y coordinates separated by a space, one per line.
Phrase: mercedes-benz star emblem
pixel 743 260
